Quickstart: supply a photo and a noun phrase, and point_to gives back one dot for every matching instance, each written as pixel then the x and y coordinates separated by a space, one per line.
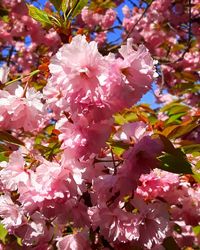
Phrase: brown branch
pixel 10 55
pixel 188 46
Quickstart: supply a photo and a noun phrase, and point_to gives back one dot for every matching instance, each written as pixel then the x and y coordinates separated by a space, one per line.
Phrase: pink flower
pixel 80 139
pixel 108 19
pixel 78 241
pixel 17 111
pixel 77 66
pixel 187 236
pixel 93 19
pixel 115 225
pixel 50 182
pixel 4 71
pixel 85 82
pixel 142 157
pixel 137 66
pixel 11 213
pixel 154 224
pixel 14 173
pixel 126 11
pixel 35 232
pixel 101 37
pixel 157 183
pixel 89 17
pixel 132 132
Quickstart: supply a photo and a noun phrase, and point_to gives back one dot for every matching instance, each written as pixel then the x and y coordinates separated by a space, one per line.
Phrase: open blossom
pixel 154 224
pixel 77 66
pixel 35 231
pixel 10 212
pixel 76 241
pixel 147 226
pixel 88 174
pixel 141 158
pixel 137 65
pixel 132 132
pixel 115 225
pixel 4 70
pixel 93 19
pixel 82 79
pixel 50 187
pixel 18 111
pixel 80 139
pixel 14 173
pixel 91 88
pixel 157 183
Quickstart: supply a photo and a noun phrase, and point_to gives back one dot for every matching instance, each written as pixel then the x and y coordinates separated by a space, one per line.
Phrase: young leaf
pixel 169 243
pixel 176 131
pixel 119 147
pixel 196 230
pixel 173 159
pixel 39 15
pixel 64 5
pixel 78 6
pixel 3 233
pixel 6 137
pixel 57 4
pixel 188 149
pixel 175 163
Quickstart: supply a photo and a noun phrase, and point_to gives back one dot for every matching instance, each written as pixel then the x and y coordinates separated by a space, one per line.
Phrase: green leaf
pixel 174 108
pixel 173 159
pixel 191 148
pixel 175 163
pixel 170 244
pixel 65 4
pixel 196 230
pixel 4 15
pixel 39 15
pixel 178 109
pixel 6 137
pixel 196 176
pixel 3 233
pixel 149 1
pixel 19 241
pixel 78 6
pixel 57 4
pixel 3 157
pixel 119 119
pixel 126 117
pixel 175 118
pixel 105 4
pixel 118 147
pixel 176 131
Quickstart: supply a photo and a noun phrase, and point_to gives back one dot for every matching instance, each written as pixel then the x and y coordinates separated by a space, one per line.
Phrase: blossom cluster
pixel 82 164
pixel 172 38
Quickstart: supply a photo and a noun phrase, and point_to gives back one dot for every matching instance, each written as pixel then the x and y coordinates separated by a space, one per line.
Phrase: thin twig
pixel 10 55
pixel 113 159
pixel 188 46
pixel 131 30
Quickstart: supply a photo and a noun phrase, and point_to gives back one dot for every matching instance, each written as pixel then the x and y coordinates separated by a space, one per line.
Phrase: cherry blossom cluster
pixel 82 164
pixel 17 30
pixel 172 38
pixel 102 20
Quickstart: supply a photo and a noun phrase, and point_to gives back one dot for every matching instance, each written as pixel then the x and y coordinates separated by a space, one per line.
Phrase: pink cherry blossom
pixel 10 212
pixel 77 241
pixel 18 111
pixel 14 172
pixel 4 71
